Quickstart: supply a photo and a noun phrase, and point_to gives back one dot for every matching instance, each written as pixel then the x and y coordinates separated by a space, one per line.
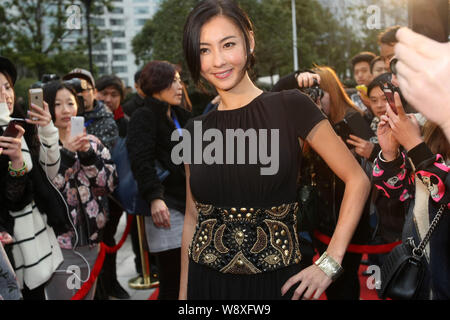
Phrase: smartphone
pixel 36 97
pixel 11 130
pixel 76 126
pixel 389 94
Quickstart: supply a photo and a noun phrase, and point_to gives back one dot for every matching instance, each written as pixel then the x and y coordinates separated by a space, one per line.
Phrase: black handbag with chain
pixel 403 271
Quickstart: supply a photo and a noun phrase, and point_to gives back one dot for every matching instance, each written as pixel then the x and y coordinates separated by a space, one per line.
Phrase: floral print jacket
pixel 85 179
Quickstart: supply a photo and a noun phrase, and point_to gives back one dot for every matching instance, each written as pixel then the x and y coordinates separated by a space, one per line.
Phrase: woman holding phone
pixel 29 210
pixel 239 237
pixel 86 177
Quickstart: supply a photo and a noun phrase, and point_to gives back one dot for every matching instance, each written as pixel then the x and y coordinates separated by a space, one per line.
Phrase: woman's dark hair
pixel 201 14
pixel 156 76
pixel 50 91
pixel 380 80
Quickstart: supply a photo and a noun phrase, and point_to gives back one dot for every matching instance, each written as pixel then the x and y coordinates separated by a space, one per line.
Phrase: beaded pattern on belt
pixel 246 240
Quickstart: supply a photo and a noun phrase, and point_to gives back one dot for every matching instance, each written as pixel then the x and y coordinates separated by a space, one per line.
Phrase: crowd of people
pixel 357 166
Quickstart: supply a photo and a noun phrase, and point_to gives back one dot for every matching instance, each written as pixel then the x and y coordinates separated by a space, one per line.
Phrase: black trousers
pixel 169 267
pixel 108 275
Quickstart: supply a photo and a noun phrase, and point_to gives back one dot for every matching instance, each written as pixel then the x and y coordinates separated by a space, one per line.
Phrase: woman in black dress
pixel 239 237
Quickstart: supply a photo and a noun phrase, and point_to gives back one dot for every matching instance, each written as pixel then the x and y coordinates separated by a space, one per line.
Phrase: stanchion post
pixel 148 284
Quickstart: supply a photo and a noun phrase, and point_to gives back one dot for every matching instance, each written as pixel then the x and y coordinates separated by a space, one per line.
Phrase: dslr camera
pixel 314 92
pixel 79 85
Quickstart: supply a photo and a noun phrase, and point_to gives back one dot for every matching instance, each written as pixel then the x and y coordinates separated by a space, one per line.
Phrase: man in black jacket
pixel 111 91
pixel 137 100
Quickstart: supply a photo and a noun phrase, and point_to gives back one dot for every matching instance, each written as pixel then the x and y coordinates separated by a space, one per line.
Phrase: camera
pixel 314 92
pixel 48 77
pixel 79 85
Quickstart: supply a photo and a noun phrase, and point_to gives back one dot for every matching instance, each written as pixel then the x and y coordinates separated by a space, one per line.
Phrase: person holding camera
pixel 30 212
pixel 325 189
pixel 423 188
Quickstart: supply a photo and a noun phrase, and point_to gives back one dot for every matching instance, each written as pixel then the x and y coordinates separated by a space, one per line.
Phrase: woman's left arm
pixel 327 144
pixel 49 153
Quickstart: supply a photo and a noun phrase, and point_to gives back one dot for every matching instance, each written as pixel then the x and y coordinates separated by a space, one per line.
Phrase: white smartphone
pixel 76 126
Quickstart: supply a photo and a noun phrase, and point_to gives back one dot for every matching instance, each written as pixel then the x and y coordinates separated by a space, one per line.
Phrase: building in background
pixel 114 55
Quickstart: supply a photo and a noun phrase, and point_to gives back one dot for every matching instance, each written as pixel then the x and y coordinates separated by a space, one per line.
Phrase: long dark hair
pixel 201 14
pixel 50 91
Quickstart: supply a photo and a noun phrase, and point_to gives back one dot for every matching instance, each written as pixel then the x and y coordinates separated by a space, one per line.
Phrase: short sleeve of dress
pixel 302 111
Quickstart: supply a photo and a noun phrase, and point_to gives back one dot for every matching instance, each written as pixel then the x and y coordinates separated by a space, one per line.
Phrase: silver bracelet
pixel 329 266
pixel 384 160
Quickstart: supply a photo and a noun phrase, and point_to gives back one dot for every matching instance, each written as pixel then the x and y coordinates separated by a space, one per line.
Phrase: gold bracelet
pixel 17 172
pixel 329 266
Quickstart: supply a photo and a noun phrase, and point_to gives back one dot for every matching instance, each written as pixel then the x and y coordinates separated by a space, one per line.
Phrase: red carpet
pixel 365 292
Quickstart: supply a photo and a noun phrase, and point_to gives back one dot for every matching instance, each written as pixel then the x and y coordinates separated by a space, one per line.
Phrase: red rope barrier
pixel 104 249
pixel 359 248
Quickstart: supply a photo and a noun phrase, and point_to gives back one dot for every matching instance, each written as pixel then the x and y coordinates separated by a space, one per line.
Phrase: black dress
pixel 246 245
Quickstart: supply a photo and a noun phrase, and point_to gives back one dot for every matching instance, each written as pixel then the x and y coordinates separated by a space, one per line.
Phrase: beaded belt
pixel 246 240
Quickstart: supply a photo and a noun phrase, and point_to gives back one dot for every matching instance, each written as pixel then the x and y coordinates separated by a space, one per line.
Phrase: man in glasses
pixel 387 41
pixel 98 120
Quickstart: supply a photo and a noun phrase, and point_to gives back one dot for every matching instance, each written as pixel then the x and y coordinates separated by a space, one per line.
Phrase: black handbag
pixel 403 271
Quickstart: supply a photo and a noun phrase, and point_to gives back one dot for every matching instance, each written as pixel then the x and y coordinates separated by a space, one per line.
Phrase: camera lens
pixel 393 65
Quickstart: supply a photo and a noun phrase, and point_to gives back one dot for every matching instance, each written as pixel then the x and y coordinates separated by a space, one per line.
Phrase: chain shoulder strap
pixel 420 249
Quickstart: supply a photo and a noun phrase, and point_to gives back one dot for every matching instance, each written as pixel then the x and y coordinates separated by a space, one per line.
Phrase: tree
pixel 32 36
pixel 142 43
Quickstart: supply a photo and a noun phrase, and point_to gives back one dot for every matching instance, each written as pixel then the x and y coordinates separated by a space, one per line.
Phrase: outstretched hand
pixel 405 128
pixel 39 116
pixel 363 147
pixel 313 282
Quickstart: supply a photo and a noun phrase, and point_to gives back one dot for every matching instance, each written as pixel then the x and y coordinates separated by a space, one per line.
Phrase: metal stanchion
pixel 147 283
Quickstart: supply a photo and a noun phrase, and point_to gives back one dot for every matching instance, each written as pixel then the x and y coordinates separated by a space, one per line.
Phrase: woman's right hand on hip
pixel 160 214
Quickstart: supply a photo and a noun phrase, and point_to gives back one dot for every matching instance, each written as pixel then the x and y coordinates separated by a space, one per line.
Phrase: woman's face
pixel 378 68
pixel 173 94
pixel 377 102
pixel 65 107
pixel 8 91
pixel 222 53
